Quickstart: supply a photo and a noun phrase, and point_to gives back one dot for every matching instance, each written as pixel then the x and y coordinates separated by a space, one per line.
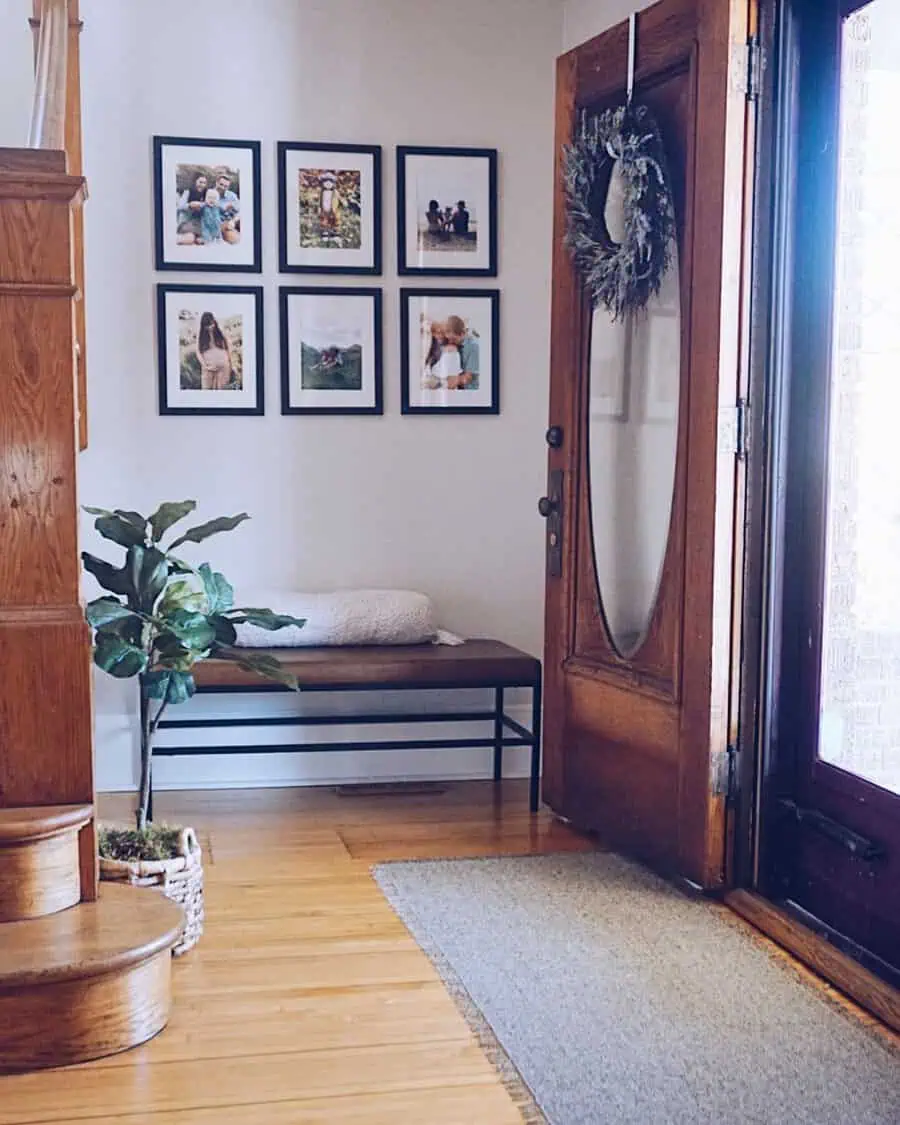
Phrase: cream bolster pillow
pixel 344 617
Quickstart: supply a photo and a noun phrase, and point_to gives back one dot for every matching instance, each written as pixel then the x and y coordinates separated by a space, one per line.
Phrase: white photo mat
pixel 293 160
pixel 480 314
pixel 447 178
pixel 321 319
pixel 223 304
pixel 220 255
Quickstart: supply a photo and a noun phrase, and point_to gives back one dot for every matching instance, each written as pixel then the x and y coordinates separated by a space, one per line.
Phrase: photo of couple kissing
pixel 452 355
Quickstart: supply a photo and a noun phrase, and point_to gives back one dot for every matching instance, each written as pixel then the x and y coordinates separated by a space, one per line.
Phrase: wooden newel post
pixel 46 747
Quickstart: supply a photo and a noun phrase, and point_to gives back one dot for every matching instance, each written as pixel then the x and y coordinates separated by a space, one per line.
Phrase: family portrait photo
pixel 447 203
pixel 450 351
pixel 210 349
pixel 331 351
pixel 329 208
pixel 207 204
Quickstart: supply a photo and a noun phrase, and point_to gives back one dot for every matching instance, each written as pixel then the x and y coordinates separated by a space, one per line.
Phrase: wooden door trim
pixel 712 497
pixel 564 358
pixel 873 993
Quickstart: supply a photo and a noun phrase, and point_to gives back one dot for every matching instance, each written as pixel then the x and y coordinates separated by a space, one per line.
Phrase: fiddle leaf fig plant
pixel 161 616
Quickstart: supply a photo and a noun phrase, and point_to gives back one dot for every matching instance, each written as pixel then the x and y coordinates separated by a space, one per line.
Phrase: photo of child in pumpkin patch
pixel 330 208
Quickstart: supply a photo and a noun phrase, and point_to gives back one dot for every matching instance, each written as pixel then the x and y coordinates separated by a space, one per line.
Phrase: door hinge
pixel 731 792
pixel 753 73
pixel 742 433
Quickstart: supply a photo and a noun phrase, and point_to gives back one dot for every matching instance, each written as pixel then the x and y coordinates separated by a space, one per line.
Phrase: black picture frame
pixel 160 144
pixel 404 268
pixel 285 293
pixel 375 152
pixel 408 295
pixel 168 409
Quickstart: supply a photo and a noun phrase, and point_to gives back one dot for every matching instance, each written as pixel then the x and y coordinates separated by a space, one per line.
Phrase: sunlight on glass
pixel 860 719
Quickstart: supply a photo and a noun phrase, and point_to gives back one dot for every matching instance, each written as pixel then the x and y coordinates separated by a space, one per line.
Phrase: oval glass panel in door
pixel 635 379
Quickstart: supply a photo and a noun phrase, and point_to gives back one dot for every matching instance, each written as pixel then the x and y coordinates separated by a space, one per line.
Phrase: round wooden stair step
pixel 37 822
pixel 90 981
pixel 39 872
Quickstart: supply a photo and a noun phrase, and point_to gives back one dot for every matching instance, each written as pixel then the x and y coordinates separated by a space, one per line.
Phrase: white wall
pixel 17 70
pixel 445 505
pixel 583 19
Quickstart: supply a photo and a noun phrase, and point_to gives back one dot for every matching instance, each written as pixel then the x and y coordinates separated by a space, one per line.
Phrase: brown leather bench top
pixel 477 663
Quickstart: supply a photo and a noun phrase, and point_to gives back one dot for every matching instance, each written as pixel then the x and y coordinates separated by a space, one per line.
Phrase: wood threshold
pixel 868 990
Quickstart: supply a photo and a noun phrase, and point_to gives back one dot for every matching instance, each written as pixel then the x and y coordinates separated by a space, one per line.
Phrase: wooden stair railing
pixel 56 124
pixel 83 972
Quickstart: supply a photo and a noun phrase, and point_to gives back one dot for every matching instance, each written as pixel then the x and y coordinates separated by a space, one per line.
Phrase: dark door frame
pixel 757 766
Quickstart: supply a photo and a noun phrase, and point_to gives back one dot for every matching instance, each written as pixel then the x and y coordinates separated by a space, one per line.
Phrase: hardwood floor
pixel 306 1001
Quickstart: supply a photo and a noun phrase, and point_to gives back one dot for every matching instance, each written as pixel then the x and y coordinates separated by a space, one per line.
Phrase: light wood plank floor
pixel 306 1001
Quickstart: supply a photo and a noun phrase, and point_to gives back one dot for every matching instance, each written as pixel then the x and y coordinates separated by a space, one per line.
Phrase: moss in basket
pixel 157 841
pixel 164 616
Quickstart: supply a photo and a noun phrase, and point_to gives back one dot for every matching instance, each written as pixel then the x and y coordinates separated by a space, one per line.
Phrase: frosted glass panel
pixel 633 435
pixel 860 677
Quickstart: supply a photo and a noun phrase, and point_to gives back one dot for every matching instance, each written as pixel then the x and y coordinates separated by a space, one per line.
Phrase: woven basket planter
pixel 180 879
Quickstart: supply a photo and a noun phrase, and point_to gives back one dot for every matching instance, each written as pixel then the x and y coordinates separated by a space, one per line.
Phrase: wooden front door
pixel 640 527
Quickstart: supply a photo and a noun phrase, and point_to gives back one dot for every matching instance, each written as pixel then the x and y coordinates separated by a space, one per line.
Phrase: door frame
pixel 716 31
pixel 770 324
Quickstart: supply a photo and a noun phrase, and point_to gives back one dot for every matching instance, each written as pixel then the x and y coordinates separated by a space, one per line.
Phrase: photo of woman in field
pixel 211 354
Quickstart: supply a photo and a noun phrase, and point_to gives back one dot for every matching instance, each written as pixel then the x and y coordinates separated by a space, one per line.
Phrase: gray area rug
pixel 621 1001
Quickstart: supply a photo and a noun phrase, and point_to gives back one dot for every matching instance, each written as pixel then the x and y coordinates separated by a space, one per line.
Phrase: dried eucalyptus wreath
pixel 620 276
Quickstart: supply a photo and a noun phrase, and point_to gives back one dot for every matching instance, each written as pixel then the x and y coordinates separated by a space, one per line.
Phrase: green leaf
pixel 265 619
pixel 118 657
pixel 134 518
pixel 213 527
pixel 263 664
pixel 192 629
pixel 180 595
pixel 149 569
pixel 115 579
pixel 105 611
pixel 172 655
pixel 181 687
pixel 179 566
pixel 219 593
pixel 130 629
pixel 125 528
pixel 119 531
pixel 226 634
pixel 171 686
pixel 155 684
pixel 167 515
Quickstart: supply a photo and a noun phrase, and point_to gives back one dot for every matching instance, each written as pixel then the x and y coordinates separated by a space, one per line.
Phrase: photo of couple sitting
pixel 448 228
pixel 208 208
pixel 452 355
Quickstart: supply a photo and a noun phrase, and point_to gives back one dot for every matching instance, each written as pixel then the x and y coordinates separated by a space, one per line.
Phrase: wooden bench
pixel 475 664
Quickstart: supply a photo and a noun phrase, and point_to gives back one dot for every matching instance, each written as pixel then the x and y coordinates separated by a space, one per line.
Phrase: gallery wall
pixel 445 505
pixel 441 504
